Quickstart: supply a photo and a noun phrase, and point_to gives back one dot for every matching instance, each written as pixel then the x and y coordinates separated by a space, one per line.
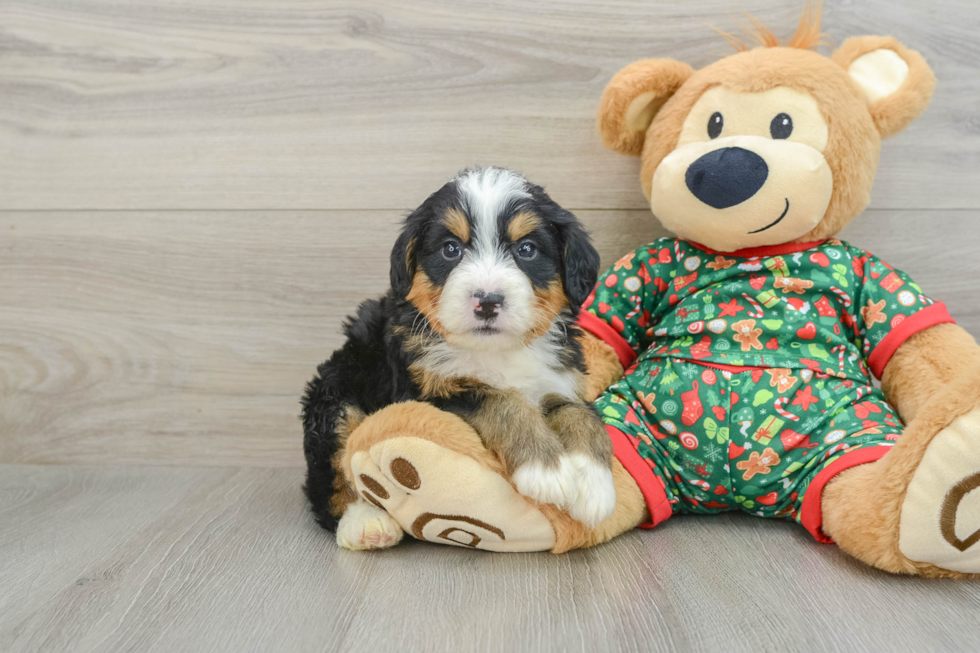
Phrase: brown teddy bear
pixel 733 364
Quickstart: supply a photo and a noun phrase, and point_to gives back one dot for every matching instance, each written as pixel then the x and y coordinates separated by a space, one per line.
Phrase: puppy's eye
pixel 451 250
pixel 527 251
pixel 715 124
pixel 781 126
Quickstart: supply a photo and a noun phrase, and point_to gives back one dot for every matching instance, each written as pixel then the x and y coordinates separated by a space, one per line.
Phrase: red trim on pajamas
pixel 651 486
pixel 607 334
pixel 765 250
pixel 927 317
pixel 811 511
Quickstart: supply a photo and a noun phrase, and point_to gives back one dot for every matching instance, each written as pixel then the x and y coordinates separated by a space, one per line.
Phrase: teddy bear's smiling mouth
pixel 777 221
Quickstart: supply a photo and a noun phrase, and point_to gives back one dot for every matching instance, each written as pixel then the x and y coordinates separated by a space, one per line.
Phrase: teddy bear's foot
pixel 430 472
pixel 449 493
pixel 439 495
pixel 365 526
pixel 940 516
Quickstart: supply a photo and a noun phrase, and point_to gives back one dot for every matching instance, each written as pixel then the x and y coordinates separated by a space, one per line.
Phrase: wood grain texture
pixel 320 104
pixel 176 559
pixel 187 338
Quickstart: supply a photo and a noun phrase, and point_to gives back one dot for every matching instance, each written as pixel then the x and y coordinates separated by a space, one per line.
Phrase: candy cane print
pixel 839 350
pixel 757 309
pixel 677 251
pixel 844 297
pixel 635 299
pixel 779 406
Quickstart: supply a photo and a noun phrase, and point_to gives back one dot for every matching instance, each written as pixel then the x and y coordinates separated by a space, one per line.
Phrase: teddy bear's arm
pixel 601 363
pixel 629 298
pixel 926 364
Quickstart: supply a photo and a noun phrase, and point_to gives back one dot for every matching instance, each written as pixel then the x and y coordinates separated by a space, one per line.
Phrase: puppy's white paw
pixel 364 526
pixel 596 497
pixel 548 484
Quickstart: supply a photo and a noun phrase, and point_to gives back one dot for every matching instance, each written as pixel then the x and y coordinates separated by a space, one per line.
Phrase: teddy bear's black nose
pixel 726 177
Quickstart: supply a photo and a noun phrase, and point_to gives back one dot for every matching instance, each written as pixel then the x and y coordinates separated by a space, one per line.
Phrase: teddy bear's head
pixel 770 145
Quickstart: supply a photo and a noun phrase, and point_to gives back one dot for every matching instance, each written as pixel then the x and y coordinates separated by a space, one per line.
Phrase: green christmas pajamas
pixel 748 374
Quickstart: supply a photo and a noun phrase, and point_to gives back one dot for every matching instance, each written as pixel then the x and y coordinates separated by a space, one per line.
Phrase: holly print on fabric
pixel 826 308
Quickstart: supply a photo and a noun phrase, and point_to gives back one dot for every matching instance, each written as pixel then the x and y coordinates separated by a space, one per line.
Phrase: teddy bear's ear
pixel 897 82
pixel 632 99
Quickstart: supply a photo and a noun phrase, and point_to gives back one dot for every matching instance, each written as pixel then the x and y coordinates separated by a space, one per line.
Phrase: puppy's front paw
pixel 364 526
pixel 596 495
pixel 548 483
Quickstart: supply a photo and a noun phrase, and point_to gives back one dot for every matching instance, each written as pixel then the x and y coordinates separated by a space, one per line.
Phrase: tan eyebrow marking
pixel 457 223
pixel 522 224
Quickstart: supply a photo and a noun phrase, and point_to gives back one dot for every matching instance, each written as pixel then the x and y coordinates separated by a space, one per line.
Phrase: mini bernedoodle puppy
pixel 486 279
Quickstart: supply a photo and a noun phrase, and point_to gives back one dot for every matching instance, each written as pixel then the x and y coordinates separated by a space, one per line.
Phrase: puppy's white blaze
pixel 485 193
pixel 596 490
pixel 535 370
pixel 487 266
pixel 364 526
pixel 557 485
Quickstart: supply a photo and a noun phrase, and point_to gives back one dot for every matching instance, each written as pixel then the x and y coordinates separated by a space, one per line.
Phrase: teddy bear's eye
pixel 781 126
pixel 715 124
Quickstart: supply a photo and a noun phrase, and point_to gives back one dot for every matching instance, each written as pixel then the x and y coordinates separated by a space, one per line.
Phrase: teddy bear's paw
pixel 444 496
pixel 365 526
pixel 596 495
pixel 940 519
pixel 555 484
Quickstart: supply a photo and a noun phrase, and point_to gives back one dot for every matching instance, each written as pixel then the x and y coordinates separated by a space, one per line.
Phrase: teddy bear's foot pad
pixel 443 496
pixel 940 521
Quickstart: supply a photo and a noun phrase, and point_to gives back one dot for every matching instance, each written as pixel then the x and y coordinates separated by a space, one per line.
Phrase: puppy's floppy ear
pixel 403 254
pixel 580 263
pixel 579 259
pixel 896 81
pixel 632 99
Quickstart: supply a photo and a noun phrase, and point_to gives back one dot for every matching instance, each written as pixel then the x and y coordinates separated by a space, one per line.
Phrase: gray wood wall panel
pixel 187 338
pixel 329 105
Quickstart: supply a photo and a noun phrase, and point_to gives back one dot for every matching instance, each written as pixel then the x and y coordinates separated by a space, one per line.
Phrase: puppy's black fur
pixel 387 335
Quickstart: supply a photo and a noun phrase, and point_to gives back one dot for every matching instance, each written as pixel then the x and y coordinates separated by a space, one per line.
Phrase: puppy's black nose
pixel 726 177
pixel 487 305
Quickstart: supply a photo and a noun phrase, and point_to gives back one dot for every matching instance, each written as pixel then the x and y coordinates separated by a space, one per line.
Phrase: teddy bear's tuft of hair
pixel 807 37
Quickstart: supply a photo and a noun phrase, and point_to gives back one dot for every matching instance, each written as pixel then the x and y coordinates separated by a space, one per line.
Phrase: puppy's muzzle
pixel 487 305
pixel 727 176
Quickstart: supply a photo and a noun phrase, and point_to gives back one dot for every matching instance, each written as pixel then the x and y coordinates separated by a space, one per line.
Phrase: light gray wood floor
pixel 152 559
pixel 194 194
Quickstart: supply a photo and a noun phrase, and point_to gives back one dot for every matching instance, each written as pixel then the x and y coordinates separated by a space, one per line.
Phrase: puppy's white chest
pixel 533 381
pixel 530 370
